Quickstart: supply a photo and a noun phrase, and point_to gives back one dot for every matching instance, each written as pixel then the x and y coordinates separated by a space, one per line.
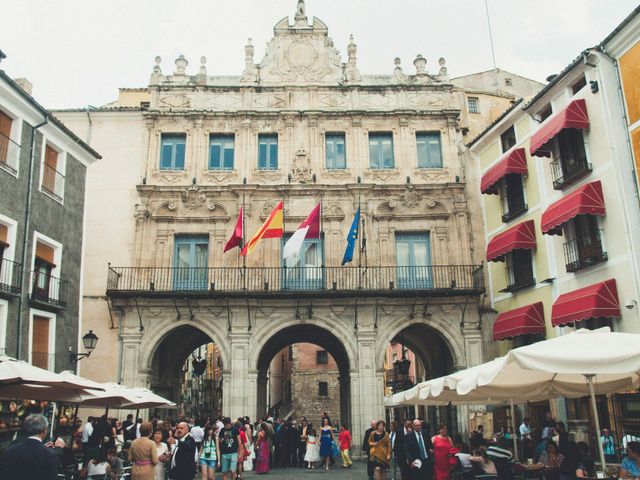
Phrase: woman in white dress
pixel 248 463
pixel 162 450
pixel 312 456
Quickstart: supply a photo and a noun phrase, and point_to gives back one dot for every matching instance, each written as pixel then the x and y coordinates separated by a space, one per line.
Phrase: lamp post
pixel 89 341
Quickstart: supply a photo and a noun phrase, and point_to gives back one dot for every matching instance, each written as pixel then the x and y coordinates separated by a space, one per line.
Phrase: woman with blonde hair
pixel 143 455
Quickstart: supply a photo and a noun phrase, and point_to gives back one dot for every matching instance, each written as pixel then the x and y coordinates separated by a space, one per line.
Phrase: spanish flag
pixel 271 228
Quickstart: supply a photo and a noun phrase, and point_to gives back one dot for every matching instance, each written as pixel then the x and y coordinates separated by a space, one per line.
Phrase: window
pixel 577 86
pixel 429 150
pixel 413 260
pixel 508 138
pixel 323 389
pixel 335 151
pixel 512 197
pixel 381 150
pixel 570 158
pixel 584 243
pixel 190 265
pixel 472 104
pixel 172 151
pixel 41 339
pixel 519 270
pixel 307 272
pixel 322 357
pixel 545 112
pixel 42 278
pixel 9 150
pixel 267 152
pixel 221 152
pixel 52 176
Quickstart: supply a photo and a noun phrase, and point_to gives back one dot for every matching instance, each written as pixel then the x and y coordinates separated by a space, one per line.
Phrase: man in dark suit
pixel 399 450
pixel 366 448
pixel 183 460
pixel 29 459
pixel 419 452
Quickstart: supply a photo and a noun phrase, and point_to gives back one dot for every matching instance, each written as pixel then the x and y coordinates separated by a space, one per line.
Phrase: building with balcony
pixel 43 168
pixel 303 126
pixel 561 208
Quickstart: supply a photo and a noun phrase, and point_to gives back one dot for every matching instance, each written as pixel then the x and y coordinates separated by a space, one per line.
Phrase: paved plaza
pixel 359 471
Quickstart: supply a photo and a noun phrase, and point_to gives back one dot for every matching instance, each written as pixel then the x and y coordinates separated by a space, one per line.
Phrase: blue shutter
pixel 429 150
pixel 267 152
pixel 190 264
pixel 413 260
pixel 221 152
pixel 381 150
pixel 172 151
pixel 335 151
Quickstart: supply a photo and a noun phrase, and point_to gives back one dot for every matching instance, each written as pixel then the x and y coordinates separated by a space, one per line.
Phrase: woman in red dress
pixel 442 444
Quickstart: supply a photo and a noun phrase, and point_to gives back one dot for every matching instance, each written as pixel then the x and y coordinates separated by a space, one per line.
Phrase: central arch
pixel 305 333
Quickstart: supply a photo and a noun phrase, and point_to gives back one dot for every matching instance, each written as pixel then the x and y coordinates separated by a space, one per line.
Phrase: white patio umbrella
pixel 114 396
pixel 148 399
pixel 55 393
pixel 16 372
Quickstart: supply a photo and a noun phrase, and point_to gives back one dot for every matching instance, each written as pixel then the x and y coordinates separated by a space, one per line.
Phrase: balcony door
pixel 413 260
pixel 40 342
pixel 191 259
pixel 307 273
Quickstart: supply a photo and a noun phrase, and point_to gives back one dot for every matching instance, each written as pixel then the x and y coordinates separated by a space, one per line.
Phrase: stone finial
pixel 443 73
pixel 181 65
pixel 156 73
pixel 351 71
pixel 156 67
pixel 203 66
pixel 397 71
pixel 352 49
pixel 301 14
pixel 421 65
pixel 249 51
pixel 250 73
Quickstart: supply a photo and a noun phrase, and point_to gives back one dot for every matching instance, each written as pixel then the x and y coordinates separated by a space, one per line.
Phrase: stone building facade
pixel 304 127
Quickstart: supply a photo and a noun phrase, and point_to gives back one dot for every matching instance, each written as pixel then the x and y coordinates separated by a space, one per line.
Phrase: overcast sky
pixel 79 52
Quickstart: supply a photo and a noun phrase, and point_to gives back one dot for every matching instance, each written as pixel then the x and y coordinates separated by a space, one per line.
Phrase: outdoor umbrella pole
pixel 513 429
pixel 596 419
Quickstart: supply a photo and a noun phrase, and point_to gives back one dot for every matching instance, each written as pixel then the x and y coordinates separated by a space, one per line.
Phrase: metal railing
pixel 53 182
pixel 10 277
pixel 514 211
pixel 432 278
pixel 49 290
pixel 564 172
pixel 44 360
pixel 9 154
pixel 519 277
pixel 578 255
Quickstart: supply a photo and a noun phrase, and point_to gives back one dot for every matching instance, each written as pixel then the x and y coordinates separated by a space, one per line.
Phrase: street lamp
pixel 89 341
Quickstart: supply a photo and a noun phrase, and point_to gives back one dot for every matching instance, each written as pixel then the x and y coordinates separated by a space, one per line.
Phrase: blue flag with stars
pixel 351 239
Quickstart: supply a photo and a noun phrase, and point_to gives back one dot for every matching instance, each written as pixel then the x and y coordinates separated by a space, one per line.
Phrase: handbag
pixel 334 448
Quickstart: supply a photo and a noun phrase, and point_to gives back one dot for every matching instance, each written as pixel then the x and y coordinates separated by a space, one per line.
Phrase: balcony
pixel 565 172
pixel 44 360
pixel 398 378
pixel 53 182
pixel 10 278
pixel 9 154
pixel 432 280
pixel 48 291
pixel 514 211
pixel 583 253
pixel 519 277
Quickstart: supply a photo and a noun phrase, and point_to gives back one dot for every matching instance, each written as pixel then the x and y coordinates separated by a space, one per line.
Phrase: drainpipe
pixel 25 239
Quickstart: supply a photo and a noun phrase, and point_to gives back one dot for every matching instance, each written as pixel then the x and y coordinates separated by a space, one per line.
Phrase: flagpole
pixel 244 257
pixel 359 243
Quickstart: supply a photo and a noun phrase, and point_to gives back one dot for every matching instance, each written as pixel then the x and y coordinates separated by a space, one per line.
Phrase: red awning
pixel 595 301
pixel 586 200
pixel 573 116
pixel 514 162
pixel 521 236
pixel 521 321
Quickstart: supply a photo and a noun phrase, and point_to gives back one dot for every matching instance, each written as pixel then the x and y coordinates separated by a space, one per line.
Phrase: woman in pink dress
pixel 262 450
pixel 442 444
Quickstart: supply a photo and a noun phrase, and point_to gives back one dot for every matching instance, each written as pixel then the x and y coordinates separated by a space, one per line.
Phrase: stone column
pixel 237 400
pixel 130 366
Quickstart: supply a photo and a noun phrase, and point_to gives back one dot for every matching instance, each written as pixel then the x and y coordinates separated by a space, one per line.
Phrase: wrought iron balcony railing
pixel 514 211
pixel 44 360
pixel 519 277
pixel 9 154
pixel 163 281
pixel 53 182
pixel 584 253
pixel 567 171
pixel 10 277
pixel 48 290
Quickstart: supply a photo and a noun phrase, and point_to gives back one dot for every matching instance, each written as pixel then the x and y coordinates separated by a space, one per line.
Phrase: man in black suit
pixel 366 448
pixel 29 459
pixel 419 452
pixel 399 450
pixel 183 460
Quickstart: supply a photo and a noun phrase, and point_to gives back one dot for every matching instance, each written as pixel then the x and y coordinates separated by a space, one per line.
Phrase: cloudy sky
pixel 78 52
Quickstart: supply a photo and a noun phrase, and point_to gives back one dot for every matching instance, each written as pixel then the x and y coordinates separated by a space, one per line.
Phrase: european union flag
pixel 351 239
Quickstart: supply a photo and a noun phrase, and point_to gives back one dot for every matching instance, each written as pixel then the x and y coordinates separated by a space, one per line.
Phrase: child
pixel 313 450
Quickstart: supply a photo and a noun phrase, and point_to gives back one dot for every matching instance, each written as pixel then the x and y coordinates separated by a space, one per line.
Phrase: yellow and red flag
pixel 271 228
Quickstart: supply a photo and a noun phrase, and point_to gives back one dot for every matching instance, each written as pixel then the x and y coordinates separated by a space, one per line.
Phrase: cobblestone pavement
pixel 358 471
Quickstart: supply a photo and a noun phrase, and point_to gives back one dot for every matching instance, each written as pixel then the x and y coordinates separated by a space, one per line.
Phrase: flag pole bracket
pixel 191 315
pixel 175 305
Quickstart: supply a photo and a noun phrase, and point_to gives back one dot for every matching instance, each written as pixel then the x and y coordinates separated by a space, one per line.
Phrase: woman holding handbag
pixel 380 451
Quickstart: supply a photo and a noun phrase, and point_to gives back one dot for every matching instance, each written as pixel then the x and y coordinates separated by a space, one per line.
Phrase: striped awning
pixel 595 301
pixel 525 320
pixel 573 116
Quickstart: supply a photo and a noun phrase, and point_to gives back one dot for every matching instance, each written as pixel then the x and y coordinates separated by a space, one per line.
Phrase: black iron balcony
pixel 44 360
pixel 48 291
pixel 9 154
pixel 514 211
pixel 519 277
pixel 398 377
pixel 10 277
pixel 579 254
pixel 53 182
pixel 568 171
pixel 436 280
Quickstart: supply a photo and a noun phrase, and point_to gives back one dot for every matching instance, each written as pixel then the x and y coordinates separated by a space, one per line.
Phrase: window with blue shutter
pixel 172 151
pixel 429 150
pixel 267 152
pixel 221 152
pixel 190 262
pixel 335 151
pixel 381 150
pixel 413 260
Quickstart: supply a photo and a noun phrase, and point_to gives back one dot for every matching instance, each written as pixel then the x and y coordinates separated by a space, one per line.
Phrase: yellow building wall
pixel 635 141
pixel 630 73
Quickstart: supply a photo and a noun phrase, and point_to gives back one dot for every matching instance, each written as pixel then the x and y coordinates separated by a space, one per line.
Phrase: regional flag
pixel 236 237
pixel 351 239
pixel 310 228
pixel 271 228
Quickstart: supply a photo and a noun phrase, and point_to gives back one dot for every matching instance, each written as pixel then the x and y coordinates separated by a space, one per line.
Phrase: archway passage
pixel 305 334
pixel 429 356
pixel 186 368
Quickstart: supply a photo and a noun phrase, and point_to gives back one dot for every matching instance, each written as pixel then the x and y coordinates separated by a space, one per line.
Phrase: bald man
pixel 183 459
pixel 419 453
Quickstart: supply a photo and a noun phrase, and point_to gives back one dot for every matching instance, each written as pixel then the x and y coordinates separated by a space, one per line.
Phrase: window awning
pixel 525 320
pixel 4 236
pixel 586 200
pixel 595 301
pixel 521 236
pixel 514 162
pixel 573 116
